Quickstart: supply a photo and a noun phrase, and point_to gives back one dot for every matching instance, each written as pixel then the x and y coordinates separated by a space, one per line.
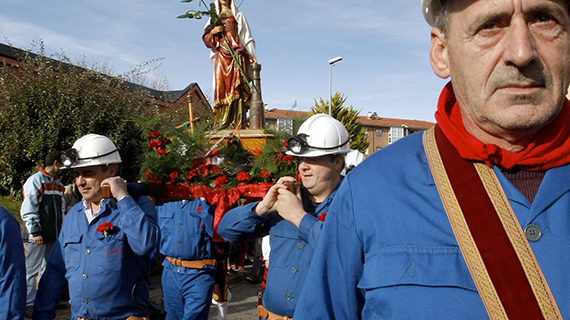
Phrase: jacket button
pixel 533 232
pixel 87 251
pixel 300 246
pixel 293 270
pixel 180 225
pixel 85 301
pixel 84 276
pixel 179 242
pixel 288 296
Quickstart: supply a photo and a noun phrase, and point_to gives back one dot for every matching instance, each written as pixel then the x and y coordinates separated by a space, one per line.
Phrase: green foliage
pixel 184 157
pixel 12 204
pixel 194 14
pixel 273 159
pixel 45 105
pixel 347 116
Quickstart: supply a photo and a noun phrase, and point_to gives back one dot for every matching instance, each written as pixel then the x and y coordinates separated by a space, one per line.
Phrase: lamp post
pixel 331 62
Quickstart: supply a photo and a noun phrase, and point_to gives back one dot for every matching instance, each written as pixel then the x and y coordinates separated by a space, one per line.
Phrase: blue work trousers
pixel 187 292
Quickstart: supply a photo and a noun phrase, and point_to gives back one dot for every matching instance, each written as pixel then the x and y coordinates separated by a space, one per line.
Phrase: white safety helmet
pixel 91 150
pixel 351 160
pixel 319 135
pixel 430 9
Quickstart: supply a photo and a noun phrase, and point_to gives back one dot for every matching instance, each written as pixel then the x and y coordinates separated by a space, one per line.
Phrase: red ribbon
pixel 222 199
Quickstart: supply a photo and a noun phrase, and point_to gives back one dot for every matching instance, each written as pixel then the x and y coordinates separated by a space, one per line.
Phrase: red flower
pixel 199 209
pixel 173 175
pixel 192 174
pixel 286 144
pixel 298 177
pixel 161 150
pixel 266 174
pixel 287 158
pixel 323 216
pixel 166 141
pixel 150 176
pixel 154 134
pixel 215 169
pixel 221 181
pixel 154 143
pixel 243 176
pixel 106 228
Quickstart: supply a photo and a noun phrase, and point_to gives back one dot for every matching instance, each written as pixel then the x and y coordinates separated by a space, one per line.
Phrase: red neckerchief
pixel 550 148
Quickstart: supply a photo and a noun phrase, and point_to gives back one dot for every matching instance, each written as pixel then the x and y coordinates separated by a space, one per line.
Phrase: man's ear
pixel 339 162
pixel 438 53
pixel 112 170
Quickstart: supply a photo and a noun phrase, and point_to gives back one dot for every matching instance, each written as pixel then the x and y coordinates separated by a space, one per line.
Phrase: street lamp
pixel 331 62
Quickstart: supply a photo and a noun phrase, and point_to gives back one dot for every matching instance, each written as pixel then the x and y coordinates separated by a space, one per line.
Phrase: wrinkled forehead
pixel 435 9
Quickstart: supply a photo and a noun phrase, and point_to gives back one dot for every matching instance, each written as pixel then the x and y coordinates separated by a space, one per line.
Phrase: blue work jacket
pixel 107 275
pixel 12 268
pixel 187 229
pixel 387 249
pixel 292 248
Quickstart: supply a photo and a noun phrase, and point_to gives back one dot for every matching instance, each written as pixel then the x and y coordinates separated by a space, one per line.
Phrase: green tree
pixel 46 104
pixel 347 116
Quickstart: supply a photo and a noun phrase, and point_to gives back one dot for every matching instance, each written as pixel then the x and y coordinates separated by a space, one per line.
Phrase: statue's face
pixel 225 3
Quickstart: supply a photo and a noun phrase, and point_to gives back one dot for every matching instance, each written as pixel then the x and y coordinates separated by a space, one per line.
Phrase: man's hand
pixel 118 187
pixel 290 206
pixel 268 203
pixel 38 240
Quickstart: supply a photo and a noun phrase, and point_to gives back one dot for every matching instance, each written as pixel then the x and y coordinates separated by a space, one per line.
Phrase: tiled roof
pixel 168 96
pixel 375 122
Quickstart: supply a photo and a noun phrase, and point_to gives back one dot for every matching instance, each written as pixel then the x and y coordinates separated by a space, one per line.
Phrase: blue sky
pixel 384 45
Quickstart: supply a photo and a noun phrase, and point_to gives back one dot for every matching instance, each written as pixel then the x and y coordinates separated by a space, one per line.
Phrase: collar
pixel 550 147
pixel 45 173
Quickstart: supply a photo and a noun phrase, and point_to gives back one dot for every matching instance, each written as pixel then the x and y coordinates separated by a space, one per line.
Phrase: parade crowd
pixel 467 220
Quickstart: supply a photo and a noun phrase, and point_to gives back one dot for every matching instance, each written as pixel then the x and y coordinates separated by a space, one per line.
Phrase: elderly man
pixel 470 220
pixel 293 217
pixel 106 245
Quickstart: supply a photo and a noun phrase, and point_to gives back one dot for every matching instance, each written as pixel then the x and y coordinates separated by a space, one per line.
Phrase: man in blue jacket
pixel 106 245
pixel 293 217
pixel 485 235
pixel 187 229
pixel 12 269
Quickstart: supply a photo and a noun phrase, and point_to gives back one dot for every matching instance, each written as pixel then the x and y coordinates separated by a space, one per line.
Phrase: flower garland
pixel 185 166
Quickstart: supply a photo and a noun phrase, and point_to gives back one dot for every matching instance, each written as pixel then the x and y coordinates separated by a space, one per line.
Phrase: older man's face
pixel 509 61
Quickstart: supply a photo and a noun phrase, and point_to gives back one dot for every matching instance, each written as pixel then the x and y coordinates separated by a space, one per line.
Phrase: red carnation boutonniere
pixel 106 228
pixel 199 209
pixel 323 216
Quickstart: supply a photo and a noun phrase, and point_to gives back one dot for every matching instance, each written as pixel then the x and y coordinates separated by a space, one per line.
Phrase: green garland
pixel 184 157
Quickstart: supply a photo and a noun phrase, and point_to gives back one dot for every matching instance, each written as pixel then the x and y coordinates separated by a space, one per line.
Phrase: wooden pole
pixel 191 114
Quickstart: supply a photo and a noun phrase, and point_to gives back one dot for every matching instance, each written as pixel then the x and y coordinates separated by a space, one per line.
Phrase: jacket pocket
pixel 416 266
pixel 72 251
pixel 111 252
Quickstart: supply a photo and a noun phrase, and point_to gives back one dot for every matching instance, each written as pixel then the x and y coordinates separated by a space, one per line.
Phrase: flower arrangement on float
pixel 184 165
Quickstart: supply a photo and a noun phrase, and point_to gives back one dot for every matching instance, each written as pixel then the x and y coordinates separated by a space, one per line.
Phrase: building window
pixel 285 125
pixel 378 132
pixel 395 134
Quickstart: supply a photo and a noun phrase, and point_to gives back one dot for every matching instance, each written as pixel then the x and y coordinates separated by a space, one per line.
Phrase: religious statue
pixel 228 35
